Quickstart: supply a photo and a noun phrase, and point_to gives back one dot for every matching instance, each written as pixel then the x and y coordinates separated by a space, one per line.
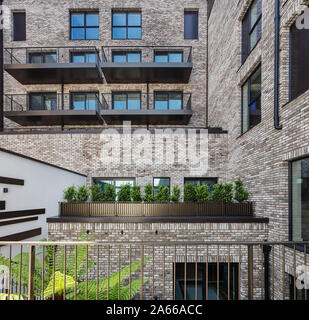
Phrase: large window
pixel 84 57
pixel 251 101
pixel 200 181
pixel 190 280
pixel 251 28
pixel 191 25
pixel 43 101
pixel 300 200
pixel 168 100
pixel 127 25
pixel 84 26
pixel 126 56
pixel 299 52
pixel 117 183
pixel 126 100
pixel 164 182
pixel 43 57
pixel 171 57
pixel 84 101
pixel 19 26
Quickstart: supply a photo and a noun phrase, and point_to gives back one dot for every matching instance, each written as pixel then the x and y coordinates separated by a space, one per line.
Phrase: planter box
pixel 130 209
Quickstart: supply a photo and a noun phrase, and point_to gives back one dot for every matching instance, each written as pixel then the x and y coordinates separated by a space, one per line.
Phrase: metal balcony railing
pixel 154 270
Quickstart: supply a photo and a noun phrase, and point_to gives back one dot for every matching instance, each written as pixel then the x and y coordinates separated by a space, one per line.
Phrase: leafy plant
pixel 96 193
pixel 202 193
pixel 124 194
pixel 218 194
pixel 228 192
pixel 82 194
pixel 162 194
pixel 136 194
pixel 148 196
pixel 175 196
pixel 241 194
pixel 109 193
pixel 4 296
pixel 189 193
pixel 69 194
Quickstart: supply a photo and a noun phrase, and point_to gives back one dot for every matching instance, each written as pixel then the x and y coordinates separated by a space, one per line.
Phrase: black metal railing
pixel 159 100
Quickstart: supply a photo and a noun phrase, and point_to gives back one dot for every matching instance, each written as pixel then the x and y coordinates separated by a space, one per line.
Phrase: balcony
pixel 52 109
pixel 147 64
pixel 53 65
pixel 158 108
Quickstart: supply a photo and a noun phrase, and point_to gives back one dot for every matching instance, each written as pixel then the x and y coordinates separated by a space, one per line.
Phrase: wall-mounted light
pixel 5 190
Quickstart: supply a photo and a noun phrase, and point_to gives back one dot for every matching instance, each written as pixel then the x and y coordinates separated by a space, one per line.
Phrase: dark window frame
pixel 42 94
pixel 72 53
pixel 72 93
pixel 215 180
pixel 156 188
pixel 114 179
pixel 168 101
pixel 126 93
pixel 197 26
pixel 126 53
pixel 249 100
pixel 167 53
pixel 127 12
pixel 43 56
pixel 85 24
pixel 16 37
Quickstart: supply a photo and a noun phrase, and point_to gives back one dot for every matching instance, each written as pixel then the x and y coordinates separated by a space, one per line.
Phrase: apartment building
pixel 232 72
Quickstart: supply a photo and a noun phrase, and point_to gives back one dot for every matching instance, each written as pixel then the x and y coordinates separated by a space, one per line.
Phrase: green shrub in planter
pixel 218 194
pixel 82 194
pixel 162 194
pixel 69 194
pixel 109 193
pixel 202 193
pixel 189 193
pixel 175 196
pixel 124 194
pixel 148 193
pixel 136 194
pixel 228 192
pixel 96 193
pixel 241 194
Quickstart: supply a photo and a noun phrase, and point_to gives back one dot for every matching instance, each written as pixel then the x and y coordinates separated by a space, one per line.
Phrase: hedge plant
pixel 109 193
pixel 96 193
pixel 136 194
pixel 202 193
pixel 69 194
pixel 218 194
pixel 189 193
pixel 162 194
pixel 82 194
pixel 241 194
pixel 148 193
pixel 175 196
pixel 124 194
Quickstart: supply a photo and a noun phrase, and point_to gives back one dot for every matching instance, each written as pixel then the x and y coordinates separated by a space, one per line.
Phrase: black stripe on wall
pixel 2 205
pixel 17 221
pixel 21 213
pixel 22 235
pixel 16 182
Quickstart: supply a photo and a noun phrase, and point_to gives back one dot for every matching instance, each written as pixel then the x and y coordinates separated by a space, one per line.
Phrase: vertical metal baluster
pixel 174 276
pixel 195 275
pixel 185 289
pixel 10 271
pixel 142 272
pixel 273 274
pixel 153 264
pixel 65 271
pixel 306 270
pixel 207 272
pixel 119 272
pixel 97 280
pixel 31 271
pixel 283 272
pixel 108 266
pixel 87 258
pixel 239 270
pixel 250 272
pixel 163 293
pixel 20 271
pixel 218 275
pixel 75 287
pixel 229 274
pixel 294 272
pixel 43 273
pixel 54 257
pixel 130 275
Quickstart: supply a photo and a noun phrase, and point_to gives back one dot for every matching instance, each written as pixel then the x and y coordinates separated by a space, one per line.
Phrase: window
pixel 201 281
pixel 84 26
pixel 127 25
pixel 200 181
pixel 42 101
pixel 165 182
pixel 170 57
pixel 168 100
pixel 19 26
pixel 301 294
pixel 84 101
pixel 299 64
pixel 84 57
pixel 300 200
pixel 251 28
pixel 126 100
pixel 43 57
pixel 117 183
pixel 129 56
pixel 191 25
pixel 251 101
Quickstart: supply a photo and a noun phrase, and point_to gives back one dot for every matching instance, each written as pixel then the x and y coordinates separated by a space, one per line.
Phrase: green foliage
pixel 202 193
pixel 109 193
pixel 56 285
pixel 162 194
pixel 4 296
pixel 124 194
pixel 240 193
pixel 175 196
pixel 218 194
pixel 69 194
pixel 136 194
pixel 148 193
pixel 189 193
pixel 228 192
pixel 96 193
pixel 82 194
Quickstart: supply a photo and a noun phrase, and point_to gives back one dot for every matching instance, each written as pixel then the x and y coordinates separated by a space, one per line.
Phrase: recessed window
pixel 164 182
pixel 84 57
pixel 43 57
pixel 126 100
pixel 127 25
pixel 117 183
pixel 191 25
pixel 251 28
pixel 251 101
pixel 84 26
pixel 168 100
pixel 124 57
pixel 299 66
pixel 210 182
pixel 300 200
pixel 171 57
pixel 19 26
pixel 84 101
pixel 42 101
pixel 192 280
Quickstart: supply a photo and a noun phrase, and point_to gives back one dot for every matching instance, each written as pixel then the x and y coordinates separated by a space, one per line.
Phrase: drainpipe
pixel 277 124
pixel 266 251
pixel 1 76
